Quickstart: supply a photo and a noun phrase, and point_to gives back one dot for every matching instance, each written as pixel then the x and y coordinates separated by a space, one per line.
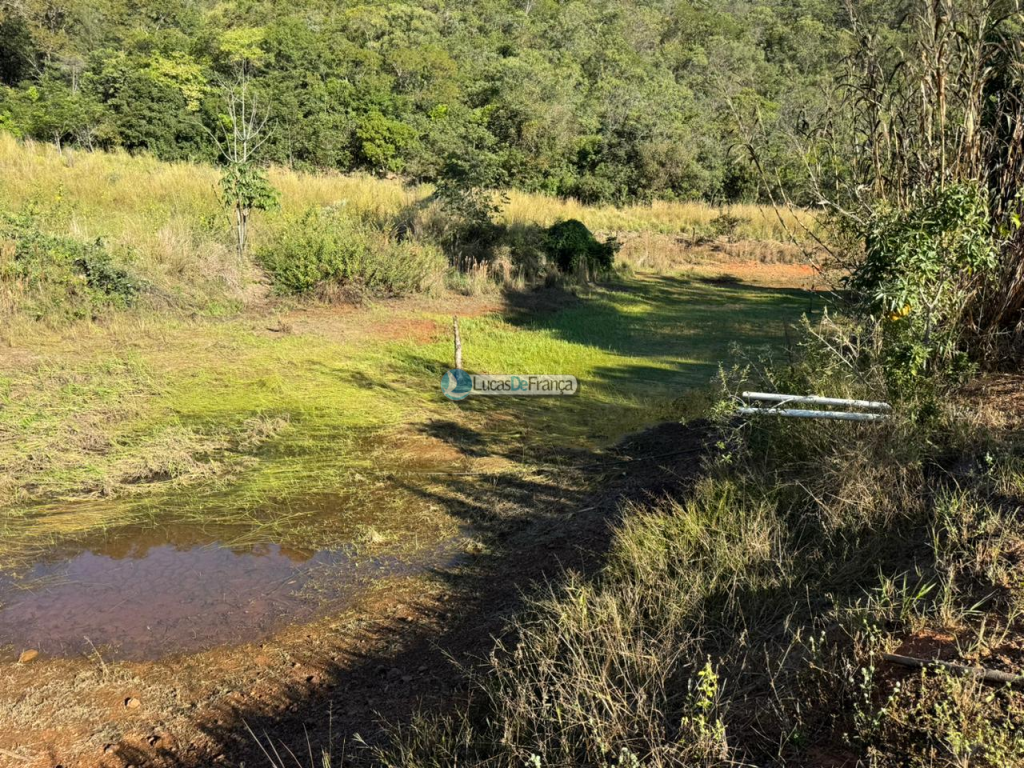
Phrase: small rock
pixel 132 703
pixel 30 654
pixel 406 678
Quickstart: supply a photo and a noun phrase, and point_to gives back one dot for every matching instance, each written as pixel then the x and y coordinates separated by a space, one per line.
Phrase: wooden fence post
pixel 458 341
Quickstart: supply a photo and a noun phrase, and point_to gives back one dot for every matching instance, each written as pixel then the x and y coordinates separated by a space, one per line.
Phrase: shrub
pixel 726 225
pixel 324 247
pixel 318 246
pixel 922 264
pixel 54 277
pixel 570 245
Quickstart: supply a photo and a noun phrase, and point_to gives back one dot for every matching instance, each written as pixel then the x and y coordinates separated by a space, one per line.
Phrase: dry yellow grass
pixel 167 223
pixel 162 208
pixel 756 222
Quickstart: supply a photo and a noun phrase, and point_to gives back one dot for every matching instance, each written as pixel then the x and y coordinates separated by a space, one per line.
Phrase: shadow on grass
pixel 669 315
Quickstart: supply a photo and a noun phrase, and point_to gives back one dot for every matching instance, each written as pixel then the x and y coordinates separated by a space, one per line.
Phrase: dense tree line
pixel 606 100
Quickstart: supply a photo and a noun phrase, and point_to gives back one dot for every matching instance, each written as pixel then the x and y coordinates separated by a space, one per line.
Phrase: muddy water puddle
pixel 151 592
pixel 182 573
pixel 155 588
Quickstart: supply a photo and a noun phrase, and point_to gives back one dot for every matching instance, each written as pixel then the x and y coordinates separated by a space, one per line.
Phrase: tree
pixel 381 142
pixel 18 56
pixel 467 193
pixel 59 113
pixel 244 185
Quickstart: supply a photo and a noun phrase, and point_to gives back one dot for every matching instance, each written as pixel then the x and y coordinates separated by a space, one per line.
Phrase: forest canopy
pixel 612 100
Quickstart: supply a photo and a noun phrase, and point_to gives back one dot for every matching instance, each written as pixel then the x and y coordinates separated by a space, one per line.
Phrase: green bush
pixel 324 247
pixel 569 244
pixel 922 263
pixel 59 277
pixel 307 250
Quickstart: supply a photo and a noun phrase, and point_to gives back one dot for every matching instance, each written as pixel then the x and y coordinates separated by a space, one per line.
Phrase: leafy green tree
pixel 55 112
pixel 148 111
pixel 382 142
pixel 18 55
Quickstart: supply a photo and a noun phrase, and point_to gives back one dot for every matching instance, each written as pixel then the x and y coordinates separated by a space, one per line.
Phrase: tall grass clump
pixel 324 249
pixel 616 672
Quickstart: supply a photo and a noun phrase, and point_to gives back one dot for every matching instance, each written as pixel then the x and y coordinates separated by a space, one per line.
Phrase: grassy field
pixel 167 223
pixel 212 395
pixel 743 624
pixel 169 414
pixel 212 409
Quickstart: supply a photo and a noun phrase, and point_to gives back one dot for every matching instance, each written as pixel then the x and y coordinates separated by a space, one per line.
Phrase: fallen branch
pixel 978 673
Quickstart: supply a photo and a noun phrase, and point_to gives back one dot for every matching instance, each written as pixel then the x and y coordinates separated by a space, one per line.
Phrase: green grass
pixel 225 422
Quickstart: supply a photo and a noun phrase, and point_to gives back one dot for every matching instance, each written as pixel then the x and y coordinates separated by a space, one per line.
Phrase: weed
pixel 941 719
pixel 58 277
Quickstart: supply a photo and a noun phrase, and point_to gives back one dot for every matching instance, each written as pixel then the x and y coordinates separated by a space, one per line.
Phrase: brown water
pixel 153 591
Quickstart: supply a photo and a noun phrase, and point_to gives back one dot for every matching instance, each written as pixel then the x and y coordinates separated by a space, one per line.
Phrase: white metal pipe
pixel 797 414
pixel 815 400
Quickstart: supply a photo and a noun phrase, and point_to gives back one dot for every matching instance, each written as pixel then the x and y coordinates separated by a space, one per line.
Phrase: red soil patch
pixel 928 644
pixel 760 273
pixel 403 318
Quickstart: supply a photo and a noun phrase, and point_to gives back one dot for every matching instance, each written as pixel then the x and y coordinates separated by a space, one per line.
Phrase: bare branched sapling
pixel 245 130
